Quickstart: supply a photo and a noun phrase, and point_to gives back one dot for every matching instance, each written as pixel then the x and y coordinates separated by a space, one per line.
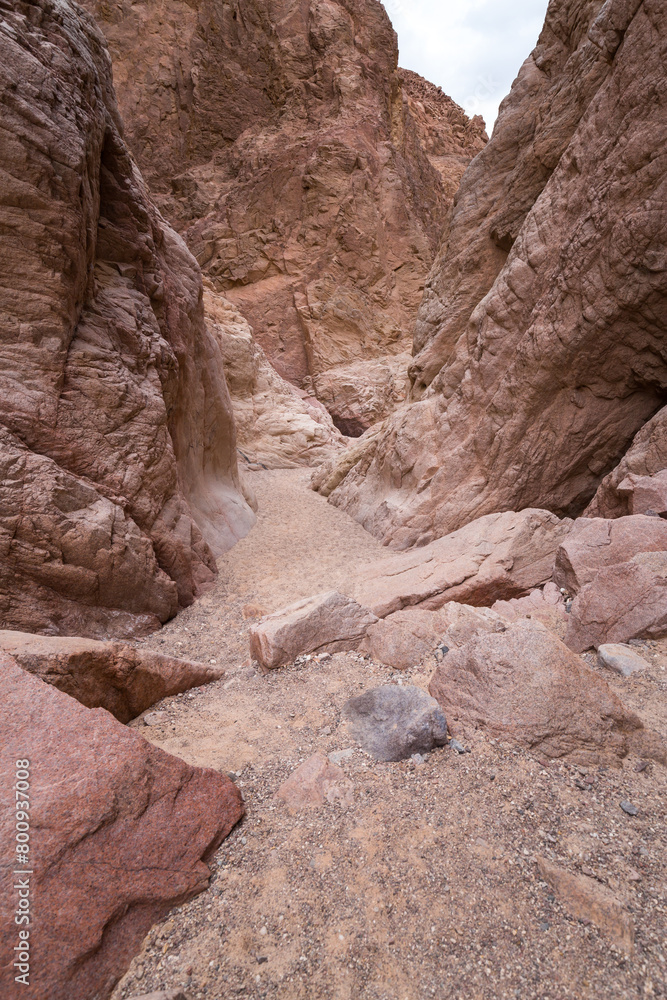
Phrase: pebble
pixel 155 718
pixel 455 745
pixel 628 808
pixel 418 758
pixel 338 755
pixel 622 659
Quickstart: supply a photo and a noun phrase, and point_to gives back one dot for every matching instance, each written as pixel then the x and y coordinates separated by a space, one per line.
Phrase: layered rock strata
pixel 119 480
pixel 539 347
pixel 310 177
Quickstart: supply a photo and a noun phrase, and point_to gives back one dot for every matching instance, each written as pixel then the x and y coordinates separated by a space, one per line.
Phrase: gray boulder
pixel 392 723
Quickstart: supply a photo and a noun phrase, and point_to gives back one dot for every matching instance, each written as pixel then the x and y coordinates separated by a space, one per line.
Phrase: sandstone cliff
pixel 540 346
pixel 309 176
pixel 117 449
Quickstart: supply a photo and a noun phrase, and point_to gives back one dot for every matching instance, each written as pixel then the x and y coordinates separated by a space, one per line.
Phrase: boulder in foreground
pixel 328 623
pixel 623 602
pixel 496 557
pixel 392 722
pixel 120 831
pixel 124 680
pixel 525 685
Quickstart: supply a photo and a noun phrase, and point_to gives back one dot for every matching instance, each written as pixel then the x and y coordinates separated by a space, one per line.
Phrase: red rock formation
pixel 117 451
pixel 540 345
pixel 310 177
pixel 119 833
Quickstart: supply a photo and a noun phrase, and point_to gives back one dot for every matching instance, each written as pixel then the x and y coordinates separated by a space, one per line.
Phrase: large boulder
pixel 495 557
pixel 119 833
pixel 315 180
pixel 597 543
pixel 526 686
pixel 124 680
pixel 645 494
pixel 360 393
pixel 624 601
pixel 539 345
pixel 328 622
pixel 392 722
pixel 118 472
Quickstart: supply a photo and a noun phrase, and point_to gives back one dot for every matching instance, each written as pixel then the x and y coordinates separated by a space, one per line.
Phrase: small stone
pixel 326 731
pixel 455 745
pixel 621 658
pixel 628 808
pixel 418 759
pixel 155 718
pixel 337 756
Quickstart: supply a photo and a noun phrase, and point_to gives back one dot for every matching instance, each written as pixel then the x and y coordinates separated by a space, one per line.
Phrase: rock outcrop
pixel 646 457
pixel 496 557
pixel 309 176
pixel 526 686
pixel 539 347
pixel 119 834
pixel 359 394
pixel 277 425
pixel 111 675
pixel 119 483
pixel 598 543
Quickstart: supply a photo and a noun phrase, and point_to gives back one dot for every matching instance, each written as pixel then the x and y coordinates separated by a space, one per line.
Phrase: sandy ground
pixel 427 886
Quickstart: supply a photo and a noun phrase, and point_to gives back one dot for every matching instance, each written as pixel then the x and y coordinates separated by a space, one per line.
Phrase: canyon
pixel 333 507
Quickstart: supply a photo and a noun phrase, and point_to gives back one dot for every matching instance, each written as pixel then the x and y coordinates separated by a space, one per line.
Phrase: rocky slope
pixel 539 348
pixel 309 176
pixel 117 449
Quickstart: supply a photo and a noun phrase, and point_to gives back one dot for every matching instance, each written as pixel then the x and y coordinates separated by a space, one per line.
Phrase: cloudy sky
pixel 471 48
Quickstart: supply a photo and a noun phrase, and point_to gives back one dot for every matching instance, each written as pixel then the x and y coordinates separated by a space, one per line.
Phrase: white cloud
pixel 471 48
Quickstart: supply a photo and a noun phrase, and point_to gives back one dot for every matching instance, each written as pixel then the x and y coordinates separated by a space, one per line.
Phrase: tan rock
pixel 119 484
pixel 124 680
pixel 331 473
pixel 277 426
pixel 646 456
pixel 315 782
pixel 360 393
pixel 586 899
pixel 310 177
pixel 546 605
pixel 325 623
pixel 403 639
pixel 598 543
pixel 622 659
pixel 624 601
pixel 525 685
pixel 496 557
pixel 539 345
pixel 119 835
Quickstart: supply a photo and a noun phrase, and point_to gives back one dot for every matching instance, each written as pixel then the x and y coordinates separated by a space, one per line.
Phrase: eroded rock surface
pixel 597 543
pixel 524 684
pixel 496 557
pixel 310 177
pixel 539 346
pixel 325 623
pixel 121 830
pixel 117 451
pixel 124 680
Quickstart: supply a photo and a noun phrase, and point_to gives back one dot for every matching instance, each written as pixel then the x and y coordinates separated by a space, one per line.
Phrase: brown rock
pixel 119 833
pixel 331 473
pixel 277 426
pixel 645 494
pixel 546 605
pixel 310 177
pixel 496 557
pixel 325 623
pixel 360 393
pixel 525 685
pixel 163 995
pixel 646 456
pixel 117 451
pixel 597 543
pixel 624 601
pixel 124 680
pixel 315 782
pixel 403 639
pixel 586 899
pixel 539 346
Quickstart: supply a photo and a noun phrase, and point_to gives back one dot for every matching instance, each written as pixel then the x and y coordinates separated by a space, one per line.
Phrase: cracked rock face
pixel 119 482
pixel 539 347
pixel 310 177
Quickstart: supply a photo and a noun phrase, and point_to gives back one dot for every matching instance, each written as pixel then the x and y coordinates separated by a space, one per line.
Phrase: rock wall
pixel 540 345
pixel 310 177
pixel 119 482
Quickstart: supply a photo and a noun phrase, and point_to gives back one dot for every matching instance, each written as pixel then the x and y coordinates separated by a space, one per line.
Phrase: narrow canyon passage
pixel 426 885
